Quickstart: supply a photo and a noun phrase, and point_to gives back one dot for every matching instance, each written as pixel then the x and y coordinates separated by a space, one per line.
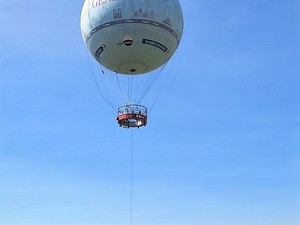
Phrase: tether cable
pixel 131 178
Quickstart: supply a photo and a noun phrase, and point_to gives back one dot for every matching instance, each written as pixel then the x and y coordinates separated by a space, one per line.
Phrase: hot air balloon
pixel 132 38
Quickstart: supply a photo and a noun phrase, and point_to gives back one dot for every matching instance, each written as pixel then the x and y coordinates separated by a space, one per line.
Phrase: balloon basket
pixel 132 115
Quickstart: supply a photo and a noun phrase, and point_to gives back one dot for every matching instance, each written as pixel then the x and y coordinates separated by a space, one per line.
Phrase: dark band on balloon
pixel 125 21
pixel 155 44
pixel 99 51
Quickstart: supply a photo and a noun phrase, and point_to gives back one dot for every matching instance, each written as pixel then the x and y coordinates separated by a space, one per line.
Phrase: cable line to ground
pixel 131 178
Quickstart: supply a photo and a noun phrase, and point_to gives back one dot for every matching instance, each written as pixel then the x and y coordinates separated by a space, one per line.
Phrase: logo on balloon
pixel 96 3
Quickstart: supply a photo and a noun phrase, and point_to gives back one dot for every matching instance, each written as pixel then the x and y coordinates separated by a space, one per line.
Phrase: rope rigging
pixel 95 80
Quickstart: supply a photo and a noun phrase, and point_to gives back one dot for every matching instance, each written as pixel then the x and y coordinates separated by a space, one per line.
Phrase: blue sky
pixel 222 148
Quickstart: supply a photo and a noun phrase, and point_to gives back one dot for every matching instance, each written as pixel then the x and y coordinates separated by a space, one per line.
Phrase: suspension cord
pixel 131 178
pixel 152 84
pixel 131 88
pixel 98 87
pixel 120 89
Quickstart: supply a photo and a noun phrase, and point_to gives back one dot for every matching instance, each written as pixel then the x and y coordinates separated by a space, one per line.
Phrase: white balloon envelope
pixel 132 36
